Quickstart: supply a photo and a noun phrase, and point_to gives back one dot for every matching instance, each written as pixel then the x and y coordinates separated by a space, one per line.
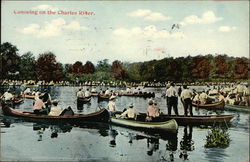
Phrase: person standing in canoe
pixel 172 99
pixel 186 97
pixel 80 96
pixel 130 113
pixel 111 105
pixel 55 109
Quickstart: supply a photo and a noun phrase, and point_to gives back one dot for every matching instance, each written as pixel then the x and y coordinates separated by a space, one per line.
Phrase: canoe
pixel 170 125
pixel 29 96
pixel 103 97
pixel 237 108
pixel 145 94
pixel 84 100
pixel 217 105
pixel 16 101
pixel 76 119
pixel 192 120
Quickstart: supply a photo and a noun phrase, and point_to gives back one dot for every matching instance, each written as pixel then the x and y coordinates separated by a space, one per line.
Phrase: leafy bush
pixel 217 138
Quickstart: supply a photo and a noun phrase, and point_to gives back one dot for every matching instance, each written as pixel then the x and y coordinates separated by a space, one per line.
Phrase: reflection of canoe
pixel 99 116
pixel 237 108
pixel 217 105
pixel 193 120
pixel 170 125
pixel 29 96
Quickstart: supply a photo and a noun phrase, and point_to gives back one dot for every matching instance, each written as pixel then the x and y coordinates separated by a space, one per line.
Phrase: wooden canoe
pixel 145 94
pixel 29 96
pixel 99 116
pixel 237 108
pixel 16 101
pixel 103 97
pixel 217 105
pixel 193 120
pixel 84 100
pixel 170 125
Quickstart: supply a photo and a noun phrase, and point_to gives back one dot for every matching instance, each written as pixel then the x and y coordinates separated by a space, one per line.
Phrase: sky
pixel 129 31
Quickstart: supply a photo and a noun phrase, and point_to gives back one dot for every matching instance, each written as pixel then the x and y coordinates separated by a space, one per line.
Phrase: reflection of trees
pixel 186 144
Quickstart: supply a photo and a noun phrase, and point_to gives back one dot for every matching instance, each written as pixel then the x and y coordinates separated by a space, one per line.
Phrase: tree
pixel 241 68
pixel 47 67
pixel 221 66
pixel 89 68
pixel 103 65
pixel 27 66
pixel 9 60
pixel 200 67
pixel 118 72
pixel 76 68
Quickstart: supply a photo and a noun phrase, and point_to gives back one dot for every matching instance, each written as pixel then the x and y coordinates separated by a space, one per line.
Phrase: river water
pixel 29 141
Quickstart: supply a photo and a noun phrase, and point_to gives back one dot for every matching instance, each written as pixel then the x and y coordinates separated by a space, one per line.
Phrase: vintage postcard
pixel 124 80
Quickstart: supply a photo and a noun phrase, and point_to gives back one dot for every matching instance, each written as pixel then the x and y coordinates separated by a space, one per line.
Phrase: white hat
pixel 131 105
pixel 55 101
pixel 112 97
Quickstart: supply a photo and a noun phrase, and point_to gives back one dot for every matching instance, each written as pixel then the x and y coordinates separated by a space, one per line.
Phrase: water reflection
pixel 186 144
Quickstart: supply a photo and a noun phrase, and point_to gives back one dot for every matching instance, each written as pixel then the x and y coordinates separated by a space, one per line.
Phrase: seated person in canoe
pixel 7 96
pixel 152 111
pixel 130 113
pixel 39 106
pixel 55 109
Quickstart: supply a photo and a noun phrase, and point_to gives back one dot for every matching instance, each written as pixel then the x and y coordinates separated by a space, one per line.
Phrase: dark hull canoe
pixel 28 96
pixel 145 95
pixel 16 101
pixel 214 106
pixel 194 120
pixel 83 101
pixel 76 119
pixel 237 108
pixel 103 97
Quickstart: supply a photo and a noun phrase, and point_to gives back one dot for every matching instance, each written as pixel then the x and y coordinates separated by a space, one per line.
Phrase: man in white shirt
pixel 186 97
pixel 107 92
pixel 80 96
pixel 7 96
pixel 87 94
pixel 172 99
pixel 130 113
pixel 55 109
pixel 111 105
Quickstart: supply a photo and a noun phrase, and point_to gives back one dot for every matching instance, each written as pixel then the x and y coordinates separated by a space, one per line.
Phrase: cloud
pixel 147 32
pixel 148 15
pixel 226 28
pixel 45 7
pixel 206 18
pixel 52 28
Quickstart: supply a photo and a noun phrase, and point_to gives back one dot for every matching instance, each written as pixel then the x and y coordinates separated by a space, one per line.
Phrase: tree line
pixel 181 69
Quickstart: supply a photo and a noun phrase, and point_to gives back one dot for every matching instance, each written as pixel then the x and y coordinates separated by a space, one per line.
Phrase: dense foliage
pixel 217 138
pixel 181 69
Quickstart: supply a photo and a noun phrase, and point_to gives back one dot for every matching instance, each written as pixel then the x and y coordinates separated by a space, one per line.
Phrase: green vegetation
pixel 217 138
pixel 181 69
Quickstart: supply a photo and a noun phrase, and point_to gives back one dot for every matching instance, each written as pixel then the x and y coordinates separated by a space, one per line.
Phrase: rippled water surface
pixel 27 141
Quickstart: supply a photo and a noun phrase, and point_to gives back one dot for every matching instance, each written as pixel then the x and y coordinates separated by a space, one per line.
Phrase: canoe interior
pixel 217 105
